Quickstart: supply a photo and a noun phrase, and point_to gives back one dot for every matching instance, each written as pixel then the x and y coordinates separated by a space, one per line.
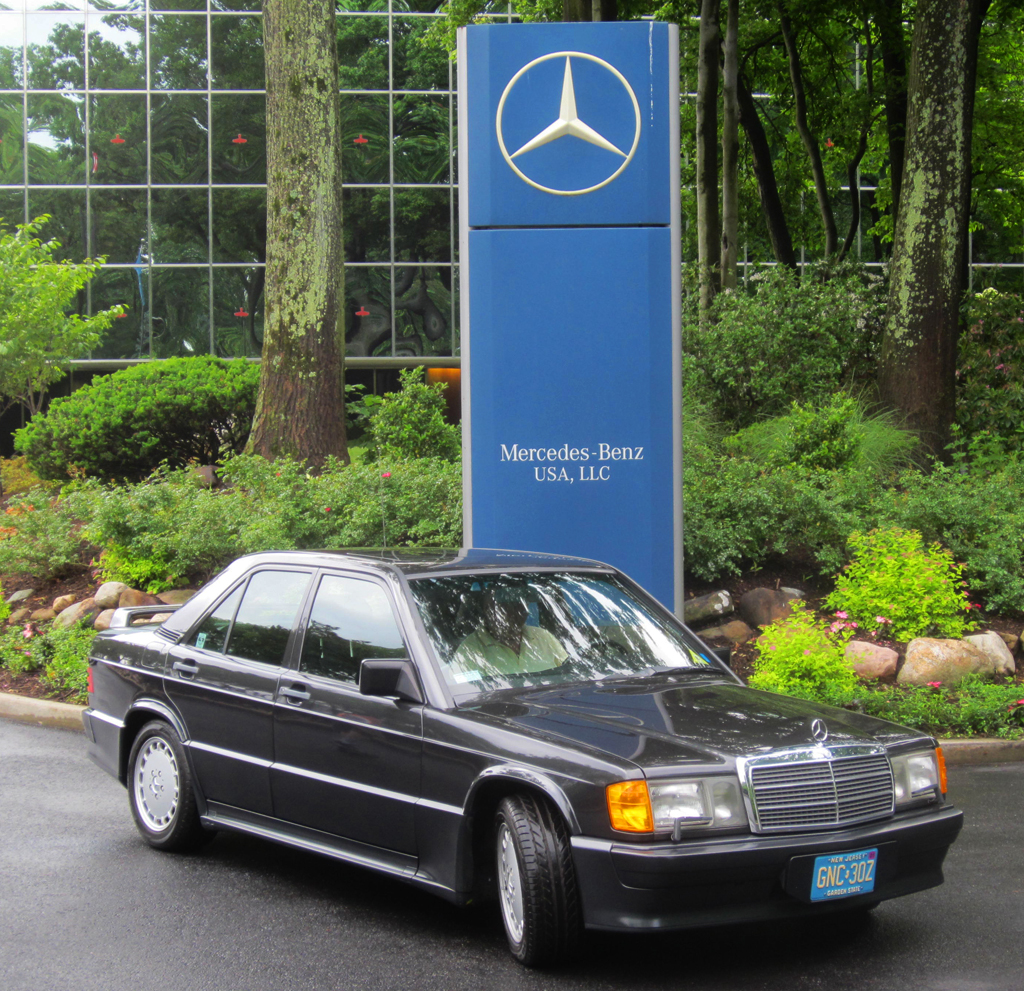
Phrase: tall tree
pixel 708 223
pixel 730 146
pixel 918 361
pixel 300 410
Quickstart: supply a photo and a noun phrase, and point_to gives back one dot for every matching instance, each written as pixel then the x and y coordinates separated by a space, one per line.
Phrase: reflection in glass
pixel 56 139
pixel 67 224
pixel 178 5
pixel 117 139
pixel 118 219
pixel 117 52
pixel 178 131
pixel 239 225
pixel 239 139
pixel 129 335
pixel 213 630
pixel 421 146
pixel 367 214
pixel 368 312
pixel 180 222
pixel 177 52
pixel 417 66
pixel 236 50
pixel 56 50
pixel 238 312
pixel 11 63
pixel 181 312
pixel 12 143
pixel 362 52
pixel 266 616
pixel 422 225
pixel 364 138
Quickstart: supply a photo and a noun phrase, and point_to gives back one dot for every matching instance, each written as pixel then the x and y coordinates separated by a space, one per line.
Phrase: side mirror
pixel 391 677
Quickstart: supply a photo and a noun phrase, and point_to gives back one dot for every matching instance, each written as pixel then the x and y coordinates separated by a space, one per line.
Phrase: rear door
pixel 223 680
pixel 345 763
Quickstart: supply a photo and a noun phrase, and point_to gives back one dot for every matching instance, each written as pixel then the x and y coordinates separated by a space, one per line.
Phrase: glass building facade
pixel 139 127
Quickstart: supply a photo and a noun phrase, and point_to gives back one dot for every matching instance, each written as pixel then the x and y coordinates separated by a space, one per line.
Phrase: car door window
pixel 266 615
pixel 212 633
pixel 350 620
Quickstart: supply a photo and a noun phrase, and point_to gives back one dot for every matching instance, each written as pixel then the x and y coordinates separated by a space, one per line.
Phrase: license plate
pixel 842 875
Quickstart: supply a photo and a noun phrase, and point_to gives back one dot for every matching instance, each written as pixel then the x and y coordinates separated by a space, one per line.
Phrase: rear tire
pixel 536 882
pixel 160 791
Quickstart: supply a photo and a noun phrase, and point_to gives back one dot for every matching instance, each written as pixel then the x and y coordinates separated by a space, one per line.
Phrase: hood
pixel 666 721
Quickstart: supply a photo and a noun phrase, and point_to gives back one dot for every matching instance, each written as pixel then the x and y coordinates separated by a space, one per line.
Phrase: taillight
pixel 88 686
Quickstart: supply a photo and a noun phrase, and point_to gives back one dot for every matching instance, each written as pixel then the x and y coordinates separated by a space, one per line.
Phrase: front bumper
pixel 710 882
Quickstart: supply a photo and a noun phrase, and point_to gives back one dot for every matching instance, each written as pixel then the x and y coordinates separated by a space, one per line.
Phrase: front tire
pixel 536 882
pixel 160 791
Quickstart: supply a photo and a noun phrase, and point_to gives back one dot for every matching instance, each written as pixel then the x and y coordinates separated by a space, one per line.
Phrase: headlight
pixel 918 777
pixel 675 805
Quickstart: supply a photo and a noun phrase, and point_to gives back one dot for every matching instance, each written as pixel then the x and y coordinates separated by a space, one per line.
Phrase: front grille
pixel 816 794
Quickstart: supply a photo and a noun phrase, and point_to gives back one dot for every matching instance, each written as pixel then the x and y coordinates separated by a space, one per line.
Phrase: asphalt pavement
pixel 85 904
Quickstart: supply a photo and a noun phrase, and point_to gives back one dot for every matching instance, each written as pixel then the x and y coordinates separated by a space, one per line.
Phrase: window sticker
pixel 200 640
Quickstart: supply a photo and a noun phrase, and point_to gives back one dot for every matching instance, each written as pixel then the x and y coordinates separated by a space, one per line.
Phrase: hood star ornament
pixel 568 123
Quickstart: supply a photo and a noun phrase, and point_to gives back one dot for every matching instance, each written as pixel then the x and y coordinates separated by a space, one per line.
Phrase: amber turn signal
pixel 629 807
pixel 940 757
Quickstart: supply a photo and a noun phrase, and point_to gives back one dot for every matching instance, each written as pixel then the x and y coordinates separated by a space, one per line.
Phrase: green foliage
pixel 990 371
pixel 411 424
pixel 16 653
pixel 16 477
pixel 972 708
pixel 893 575
pixel 41 534
pixel 60 654
pixel 797 653
pixel 150 574
pixel 126 424
pixel 37 336
pixel 783 339
pixel 5 610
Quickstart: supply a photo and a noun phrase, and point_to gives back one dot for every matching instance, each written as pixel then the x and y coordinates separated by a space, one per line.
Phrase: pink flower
pixel 327 509
pixel 386 474
pixel 28 632
pixel 842 615
pixel 807 653
pixel 934 684
pixel 882 619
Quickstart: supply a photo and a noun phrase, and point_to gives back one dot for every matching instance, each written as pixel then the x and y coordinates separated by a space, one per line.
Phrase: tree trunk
pixel 828 221
pixel 708 227
pixel 889 20
pixel 300 411
pixel 767 185
pixel 918 361
pixel 730 149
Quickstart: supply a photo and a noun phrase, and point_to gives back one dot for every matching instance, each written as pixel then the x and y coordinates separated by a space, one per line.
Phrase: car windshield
pixel 519 630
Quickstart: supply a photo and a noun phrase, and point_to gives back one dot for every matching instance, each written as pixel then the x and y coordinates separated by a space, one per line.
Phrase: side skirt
pixel 388 862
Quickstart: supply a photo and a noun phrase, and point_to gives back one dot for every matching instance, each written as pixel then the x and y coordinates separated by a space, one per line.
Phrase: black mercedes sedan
pixel 494 723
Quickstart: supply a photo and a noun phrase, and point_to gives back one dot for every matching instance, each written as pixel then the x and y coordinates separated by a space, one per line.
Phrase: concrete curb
pixel 976 750
pixel 41 712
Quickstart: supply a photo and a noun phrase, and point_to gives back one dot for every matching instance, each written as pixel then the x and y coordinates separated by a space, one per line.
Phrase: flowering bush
pixel 917 590
pixel 797 656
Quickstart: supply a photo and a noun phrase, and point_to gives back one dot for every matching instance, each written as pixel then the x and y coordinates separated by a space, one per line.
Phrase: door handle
pixel 184 669
pixel 295 694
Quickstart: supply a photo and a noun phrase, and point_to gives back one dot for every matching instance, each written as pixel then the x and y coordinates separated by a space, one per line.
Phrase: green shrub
pixel 990 370
pixel 798 654
pixel 124 425
pixel 893 578
pixel 65 654
pixel 16 477
pixel 783 338
pixel 411 424
pixel 42 534
pixel 16 653
pixel 5 610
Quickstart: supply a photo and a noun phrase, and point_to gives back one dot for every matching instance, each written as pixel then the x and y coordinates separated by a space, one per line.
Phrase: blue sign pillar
pixel 570 282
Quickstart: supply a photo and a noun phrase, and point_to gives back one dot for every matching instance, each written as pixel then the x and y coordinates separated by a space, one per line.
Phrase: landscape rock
pixel 737 631
pixel 993 646
pixel 21 595
pixel 1012 642
pixel 133 597
pixel 62 602
pixel 796 593
pixel 85 610
pixel 160 617
pixel 108 595
pixel 707 607
pixel 764 606
pixel 871 661
pixel 19 615
pixel 42 615
pixel 176 596
pixel 102 621
pixel 207 475
pixel 947 661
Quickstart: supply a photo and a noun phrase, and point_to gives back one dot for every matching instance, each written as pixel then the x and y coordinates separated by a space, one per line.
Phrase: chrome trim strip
pixel 103 717
pixel 232 754
pixel 328 779
pixel 427 803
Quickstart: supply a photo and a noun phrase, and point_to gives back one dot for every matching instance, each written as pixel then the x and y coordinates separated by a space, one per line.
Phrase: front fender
pixel 515 773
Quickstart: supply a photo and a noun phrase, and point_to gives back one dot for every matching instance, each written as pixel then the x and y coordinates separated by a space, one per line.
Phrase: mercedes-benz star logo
pixel 568 123
pixel 819 730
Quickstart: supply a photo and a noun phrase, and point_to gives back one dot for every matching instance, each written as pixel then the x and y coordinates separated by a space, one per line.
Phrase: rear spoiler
pixel 126 617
